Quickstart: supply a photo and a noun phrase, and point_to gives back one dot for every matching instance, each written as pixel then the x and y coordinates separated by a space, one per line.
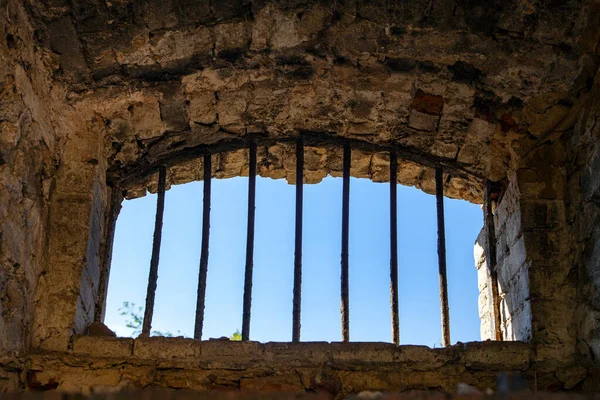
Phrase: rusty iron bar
pixel 394 247
pixel 490 229
pixel 113 213
pixel 445 312
pixel 201 298
pixel 345 306
pixel 153 275
pixel 297 302
pixel 249 244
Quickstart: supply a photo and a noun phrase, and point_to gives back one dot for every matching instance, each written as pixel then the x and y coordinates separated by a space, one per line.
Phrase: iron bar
pixel 153 275
pixel 249 244
pixel 439 194
pixel 298 245
pixel 488 219
pixel 345 307
pixel 394 247
pixel 200 300
pixel 113 213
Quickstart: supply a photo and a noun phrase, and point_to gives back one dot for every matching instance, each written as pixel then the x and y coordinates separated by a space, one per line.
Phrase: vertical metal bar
pixel 200 300
pixel 439 194
pixel 488 220
pixel 394 247
pixel 249 244
pixel 113 213
pixel 345 307
pixel 153 276
pixel 298 249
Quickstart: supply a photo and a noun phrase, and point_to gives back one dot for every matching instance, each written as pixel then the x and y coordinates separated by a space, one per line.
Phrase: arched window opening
pixel 281 262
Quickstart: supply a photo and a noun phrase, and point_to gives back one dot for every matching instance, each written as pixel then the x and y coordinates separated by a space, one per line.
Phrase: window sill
pixel 224 354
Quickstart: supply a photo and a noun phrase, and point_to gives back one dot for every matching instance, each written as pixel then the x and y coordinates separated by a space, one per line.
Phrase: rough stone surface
pixel 163 85
pixel 282 395
pixel 339 369
pixel 546 230
pixel 28 147
pixel 95 95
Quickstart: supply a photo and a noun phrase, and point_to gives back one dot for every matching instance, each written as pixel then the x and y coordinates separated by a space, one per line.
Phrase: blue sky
pixel 273 262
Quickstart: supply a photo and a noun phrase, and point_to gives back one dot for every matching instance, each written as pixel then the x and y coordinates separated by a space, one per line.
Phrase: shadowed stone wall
pixel 28 149
pixel 547 251
pixel 336 369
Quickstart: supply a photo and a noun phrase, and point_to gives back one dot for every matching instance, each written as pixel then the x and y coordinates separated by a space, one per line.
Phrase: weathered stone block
pixel 486 329
pixel 427 103
pixel 483 278
pixel 88 293
pixel 544 123
pixel 162 348
pixel 217 353
pixel 542 245
pixel 508 211
pixel 485 303
pixel 84 315
pixel 512 263
pixel 173 113
pixel 542 214
pixel 423 357
pixel 103 346
pixel 156 14
pixel 517 325
pixel 276 383
pixel 230 108
pixel 194 12
pixel 145 119
pixel 232 40
pixel 226 10
pixel 496 355
pixel 363 352
pixel 202 108
pixel 423 122
pixel 65 41
pixel 297 354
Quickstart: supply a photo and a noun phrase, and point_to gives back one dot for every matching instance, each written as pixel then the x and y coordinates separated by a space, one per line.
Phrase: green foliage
pixel 135 320
pixel 236 336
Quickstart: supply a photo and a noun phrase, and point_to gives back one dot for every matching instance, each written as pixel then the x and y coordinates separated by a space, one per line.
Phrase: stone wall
pixel 512 264
pixel 374 72
pixel 28 148
pixel 538 223
pixel 191 394
pixel 512 269
pixel 485 300
pixel 278 161
pixel 337 369
pixel 68 291
pixel 583 216
pixel 52 194
pixel 96 93
pixel 545 222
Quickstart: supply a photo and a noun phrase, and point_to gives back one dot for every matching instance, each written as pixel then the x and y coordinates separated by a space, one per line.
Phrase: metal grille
pixel 344 270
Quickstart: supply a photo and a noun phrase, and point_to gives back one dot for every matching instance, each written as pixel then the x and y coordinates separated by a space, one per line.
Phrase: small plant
pixel 135 320
pixel 236 336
